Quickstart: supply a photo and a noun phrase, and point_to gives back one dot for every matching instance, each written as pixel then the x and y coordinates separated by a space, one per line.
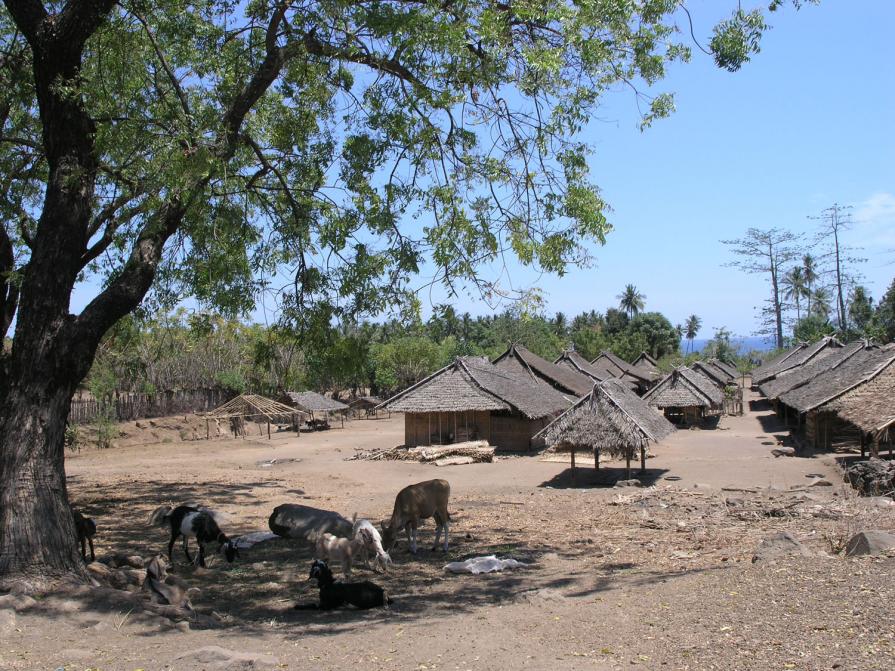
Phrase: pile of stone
pixel 874 477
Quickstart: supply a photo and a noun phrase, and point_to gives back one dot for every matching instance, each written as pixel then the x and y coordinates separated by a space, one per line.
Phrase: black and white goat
pixel 370 543
pixel 86 529
pixel 334 594
pixel 200 523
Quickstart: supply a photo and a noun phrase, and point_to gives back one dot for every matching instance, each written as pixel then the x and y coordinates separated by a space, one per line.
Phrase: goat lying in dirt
pixel 334 594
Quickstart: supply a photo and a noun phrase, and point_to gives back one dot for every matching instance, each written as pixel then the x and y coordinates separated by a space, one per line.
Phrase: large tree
pixel 156 148
pixel 767 252
pixel 631 301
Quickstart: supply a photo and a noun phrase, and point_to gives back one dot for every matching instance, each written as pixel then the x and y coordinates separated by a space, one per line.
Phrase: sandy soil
pixel 660 577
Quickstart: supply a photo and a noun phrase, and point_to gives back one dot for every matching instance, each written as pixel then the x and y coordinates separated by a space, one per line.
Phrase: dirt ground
pixel 660 577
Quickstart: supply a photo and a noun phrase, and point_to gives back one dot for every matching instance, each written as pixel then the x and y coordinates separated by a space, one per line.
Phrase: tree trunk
pixel 38 542
pixel 778 312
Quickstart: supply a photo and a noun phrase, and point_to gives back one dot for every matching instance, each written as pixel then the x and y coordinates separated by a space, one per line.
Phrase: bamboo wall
pixel 127 407
pixel 503 430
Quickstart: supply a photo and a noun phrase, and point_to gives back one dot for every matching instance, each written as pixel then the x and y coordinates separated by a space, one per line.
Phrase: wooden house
pixel 686 397
pixel 869 407
pixel 472 399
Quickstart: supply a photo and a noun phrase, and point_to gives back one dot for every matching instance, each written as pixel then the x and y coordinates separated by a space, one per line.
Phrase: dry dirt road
pixel 659 577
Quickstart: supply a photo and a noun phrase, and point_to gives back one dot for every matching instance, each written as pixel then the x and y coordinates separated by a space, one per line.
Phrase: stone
pixel 883 502
pixel 633 482
pixel 784 451
pixel 7 622
pixel 183 626
pixel 702 485
pixel 293 520
pixel 778 546
pixel 16 602
pixel 221 659
pixel 134 576
pixel 820 482
pixel 134 561
pixel 870 543
pixel 99 571
pixel 874 477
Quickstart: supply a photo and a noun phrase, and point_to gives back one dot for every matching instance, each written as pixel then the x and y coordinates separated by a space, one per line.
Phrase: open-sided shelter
pixel 612 420
pixel 686 396
pixel 472 399
pixel 522 360
pixel 364 405
pixel 253 408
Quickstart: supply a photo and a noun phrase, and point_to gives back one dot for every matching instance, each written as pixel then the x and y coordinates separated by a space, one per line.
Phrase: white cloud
pixel 875 220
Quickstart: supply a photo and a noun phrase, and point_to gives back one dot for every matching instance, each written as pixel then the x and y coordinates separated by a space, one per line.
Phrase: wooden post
pixel 429 429
pixel 874 447
pixel 455 427
pixel 596 458
pixel 863 445
pixel 573 465
pixel 207 430
pixel 642 459
pixel 268 429
pixel 627 464
pixel 343 419
pixel 440 439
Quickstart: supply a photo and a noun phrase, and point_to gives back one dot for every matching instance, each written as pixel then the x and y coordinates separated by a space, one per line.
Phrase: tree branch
pixel 9 292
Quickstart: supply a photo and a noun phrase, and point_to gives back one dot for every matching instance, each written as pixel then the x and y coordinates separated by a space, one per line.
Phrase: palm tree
pixel 821 305
pixel 809 277
pixel 794 283
pixel 631 300
pixel 694 323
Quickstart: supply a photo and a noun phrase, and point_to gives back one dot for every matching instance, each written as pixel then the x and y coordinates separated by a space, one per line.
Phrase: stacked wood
pixel 477 451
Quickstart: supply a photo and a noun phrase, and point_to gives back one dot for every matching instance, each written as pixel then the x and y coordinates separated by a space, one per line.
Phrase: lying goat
pixel 335 594
pixel 86 529
pixel 332 548
pixel 188 521
pixel 418 502
pixel 163 588
pixel 371 543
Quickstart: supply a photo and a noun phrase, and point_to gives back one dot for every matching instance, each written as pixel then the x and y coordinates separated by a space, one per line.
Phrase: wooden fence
pixel 126 407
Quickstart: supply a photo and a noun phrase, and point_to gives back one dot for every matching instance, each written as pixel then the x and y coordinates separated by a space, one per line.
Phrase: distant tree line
pixel 183 349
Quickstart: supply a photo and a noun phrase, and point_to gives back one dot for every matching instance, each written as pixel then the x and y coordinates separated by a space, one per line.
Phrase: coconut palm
pixel 694 323
pixel 631 300
pixel 795 288
pixel 809 277
pixel 821 302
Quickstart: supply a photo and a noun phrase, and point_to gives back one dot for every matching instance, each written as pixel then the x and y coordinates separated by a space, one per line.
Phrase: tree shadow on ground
pixel 607 476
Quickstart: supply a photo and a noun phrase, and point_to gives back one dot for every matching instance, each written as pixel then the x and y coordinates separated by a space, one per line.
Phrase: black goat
pixel 188 521
pixel 86 529
pixel 335 594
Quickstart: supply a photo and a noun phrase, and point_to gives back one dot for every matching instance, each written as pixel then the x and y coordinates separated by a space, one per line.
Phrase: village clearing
pixel 657 577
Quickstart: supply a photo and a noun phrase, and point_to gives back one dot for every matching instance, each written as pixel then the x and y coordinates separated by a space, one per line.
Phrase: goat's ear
pixel 384 525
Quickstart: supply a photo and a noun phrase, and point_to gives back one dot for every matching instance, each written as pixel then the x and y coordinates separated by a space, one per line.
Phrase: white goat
pixel 332 548
pixel 368 534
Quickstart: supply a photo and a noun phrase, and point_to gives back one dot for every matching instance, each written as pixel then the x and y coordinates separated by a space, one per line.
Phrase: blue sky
pixel 807 123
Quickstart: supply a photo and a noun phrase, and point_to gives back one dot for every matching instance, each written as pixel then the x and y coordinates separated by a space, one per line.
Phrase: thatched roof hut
pixel 610 420
pixel 761 373
pixel 823 347
pixel 473 399
pixel 796 377
pixel 720 377
pixel 836 381
pixel 869 406
pixel 518 358
pixel 726 367
pixel 255 408
pixel 364 404
pixel 610 365
pixel 686 396
pixel 574 361
pixel 648 365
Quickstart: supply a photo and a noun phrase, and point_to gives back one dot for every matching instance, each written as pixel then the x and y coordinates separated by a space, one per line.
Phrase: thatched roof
pixel 822 347
pixel 761 373
pixel 252 405
pixel 715 374
pixel 726 367
pixel 869 405
pixel 518 357
pixel 797 377
pixel 472 383
pixel 648 365
pixel 614 366
pixel 574 361
pixel 685 388
pixel 611 418
pixel 311 401
pixel 836 381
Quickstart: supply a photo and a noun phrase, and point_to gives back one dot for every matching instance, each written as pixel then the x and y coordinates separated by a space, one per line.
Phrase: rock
pixel 16 602
pixel 222 659
pixel 874 477
pixel 633 482
pixel 869 543
pixel 134 561
pixel 99 571
pixel 182 626
pixel 7 622
pixel 780 545
pixel 702 485
pixel 293 520
pixel 734 502
pixel 820 482
pixel 134 576
pixel 883 502
pixel 784 451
